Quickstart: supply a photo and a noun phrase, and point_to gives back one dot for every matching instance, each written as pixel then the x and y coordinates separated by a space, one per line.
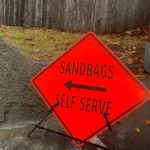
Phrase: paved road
pixel 130 134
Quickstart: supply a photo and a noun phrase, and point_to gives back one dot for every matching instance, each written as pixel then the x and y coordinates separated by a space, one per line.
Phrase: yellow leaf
pixel 137 130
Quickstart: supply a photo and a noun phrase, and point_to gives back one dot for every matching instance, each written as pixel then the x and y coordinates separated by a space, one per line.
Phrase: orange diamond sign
pixel 88 80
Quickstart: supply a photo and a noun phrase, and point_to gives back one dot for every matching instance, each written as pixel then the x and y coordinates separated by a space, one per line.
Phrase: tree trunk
pixel 147 53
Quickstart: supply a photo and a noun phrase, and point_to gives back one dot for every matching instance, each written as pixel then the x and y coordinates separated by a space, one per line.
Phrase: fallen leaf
pixel 24 131
pixel 137 130
pixel 128 32
pixel 37 50
pixel 36 58
pixel 126 37
pixel 147 122
pixel 47 54
pixel 29 38
pixel 140 70
pixel 12 134
pixel 129 60
pixel 134 52
pixel 115 43
pixel 32 44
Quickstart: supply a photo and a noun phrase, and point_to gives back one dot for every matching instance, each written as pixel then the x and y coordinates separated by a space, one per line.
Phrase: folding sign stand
pixel 65 135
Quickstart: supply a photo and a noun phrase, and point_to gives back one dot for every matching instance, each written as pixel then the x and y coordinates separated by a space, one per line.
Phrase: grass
pixel 40 44
pixel 45 44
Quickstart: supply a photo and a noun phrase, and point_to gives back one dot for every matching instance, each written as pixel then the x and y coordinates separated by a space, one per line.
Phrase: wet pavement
pixel 131 133
pixel 15 138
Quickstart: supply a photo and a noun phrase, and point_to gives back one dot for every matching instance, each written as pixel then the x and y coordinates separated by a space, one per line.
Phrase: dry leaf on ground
pixel 137 130
pixel 147 122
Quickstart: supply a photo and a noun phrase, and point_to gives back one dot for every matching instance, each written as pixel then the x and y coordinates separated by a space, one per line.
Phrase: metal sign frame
pixel 38 126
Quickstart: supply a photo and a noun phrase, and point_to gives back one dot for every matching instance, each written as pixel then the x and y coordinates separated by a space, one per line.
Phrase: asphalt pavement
pixel 131 133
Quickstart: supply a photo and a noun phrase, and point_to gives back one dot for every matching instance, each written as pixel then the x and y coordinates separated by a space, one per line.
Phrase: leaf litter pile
pixel 47 44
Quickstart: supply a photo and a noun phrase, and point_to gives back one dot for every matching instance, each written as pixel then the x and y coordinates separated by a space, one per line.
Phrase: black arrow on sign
pixel 69 85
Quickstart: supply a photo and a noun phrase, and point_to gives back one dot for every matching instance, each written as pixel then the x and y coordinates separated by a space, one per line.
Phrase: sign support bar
pixel 46 115
pixel 65 135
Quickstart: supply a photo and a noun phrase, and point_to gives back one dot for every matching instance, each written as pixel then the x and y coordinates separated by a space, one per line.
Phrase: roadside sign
pixel 88 80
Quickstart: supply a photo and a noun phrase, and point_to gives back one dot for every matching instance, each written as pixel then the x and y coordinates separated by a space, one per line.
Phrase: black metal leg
pixel 107 121
pixel 46 115
pixel 73 138
pixel 65 135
